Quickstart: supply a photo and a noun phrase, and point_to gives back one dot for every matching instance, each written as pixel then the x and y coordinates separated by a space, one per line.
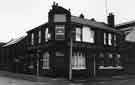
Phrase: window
pixel 88 35
pixel 105 38
pixel 47 35
pixel 117 60
pixel 115 42
pixel 39 36
pixel 109 61
pixel 59 18
pixel 32 39
pixel 109 39
pixel 46 56
pixel 78 34
pixel 60 32
pixel 78 61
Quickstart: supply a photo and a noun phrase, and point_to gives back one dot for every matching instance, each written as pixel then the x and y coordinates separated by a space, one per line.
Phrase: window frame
pixel 45 60
pixel 78 34
pixel 78 61
pixel 91 35
pixel 32 38
pixel 60 26
pixel 47 35
pixel 109 39
pixel 39 36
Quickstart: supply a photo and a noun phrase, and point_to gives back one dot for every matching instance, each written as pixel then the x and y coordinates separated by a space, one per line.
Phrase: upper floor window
pixel 78 34
pixel 47 35
pixel 87 35
pixel 59 32
pixel 115 42
pixel 59 18
pixel 109 39
pixel 32 39
pixel 39 36
pixel 105 38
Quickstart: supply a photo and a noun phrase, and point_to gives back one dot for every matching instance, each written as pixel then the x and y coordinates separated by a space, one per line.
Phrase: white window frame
pixel 109 39
pixel 78 34
pixel 47 35
pixel 78 61
pixel 39 36
pixel 88 35
pixel 105 38
pixel 46 62
pixel 32 38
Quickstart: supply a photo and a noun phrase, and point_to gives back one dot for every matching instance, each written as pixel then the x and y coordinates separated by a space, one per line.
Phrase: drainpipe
pixel 70 60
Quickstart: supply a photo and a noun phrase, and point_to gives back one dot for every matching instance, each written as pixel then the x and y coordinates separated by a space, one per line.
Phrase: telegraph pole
pixel 37 70
pixel 106 7
pixel 70 58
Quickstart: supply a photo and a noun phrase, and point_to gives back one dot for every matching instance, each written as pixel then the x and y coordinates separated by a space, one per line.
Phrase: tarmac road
pixel 13 81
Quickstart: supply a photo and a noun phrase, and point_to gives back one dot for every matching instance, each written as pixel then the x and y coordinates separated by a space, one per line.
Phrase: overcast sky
pixel 19 16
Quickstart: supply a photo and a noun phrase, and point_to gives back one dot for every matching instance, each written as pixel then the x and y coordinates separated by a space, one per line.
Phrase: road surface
pixel 13 81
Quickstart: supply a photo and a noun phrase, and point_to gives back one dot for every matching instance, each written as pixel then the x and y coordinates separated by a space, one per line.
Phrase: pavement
pixel 35 78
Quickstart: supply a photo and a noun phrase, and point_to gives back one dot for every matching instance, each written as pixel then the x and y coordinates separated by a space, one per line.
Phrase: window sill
pixel 80 68
pixel 110 67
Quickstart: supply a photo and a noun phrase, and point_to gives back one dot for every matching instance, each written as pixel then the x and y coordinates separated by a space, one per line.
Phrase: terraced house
pixel 128 28
pixel 74 46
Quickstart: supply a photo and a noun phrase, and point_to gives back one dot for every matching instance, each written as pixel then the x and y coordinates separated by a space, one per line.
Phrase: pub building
pixel 73 46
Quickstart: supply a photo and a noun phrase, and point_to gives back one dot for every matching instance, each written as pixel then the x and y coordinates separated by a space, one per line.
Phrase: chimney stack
pixel 81 15
pixel 110 20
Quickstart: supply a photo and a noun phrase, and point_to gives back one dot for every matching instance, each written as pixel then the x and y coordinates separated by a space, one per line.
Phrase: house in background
pixel 1 58
pixel 13 54
pixel 128 28
pixel 73 45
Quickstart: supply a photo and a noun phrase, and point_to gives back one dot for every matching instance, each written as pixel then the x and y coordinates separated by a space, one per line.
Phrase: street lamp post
pixel 70 60
pixel 37 70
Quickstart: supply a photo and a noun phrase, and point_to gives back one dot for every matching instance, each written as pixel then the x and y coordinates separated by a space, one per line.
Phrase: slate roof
pixel 14 41
pixel 92 23
pixel 125 24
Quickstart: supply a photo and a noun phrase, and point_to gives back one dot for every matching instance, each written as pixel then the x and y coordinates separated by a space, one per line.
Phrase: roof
pixel 14 41
pixel 126 24
pixel 38 27
pixel 92 23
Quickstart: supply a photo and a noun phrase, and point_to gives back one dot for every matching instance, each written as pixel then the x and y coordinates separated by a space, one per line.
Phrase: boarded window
pixel 60 32
pixel 60 18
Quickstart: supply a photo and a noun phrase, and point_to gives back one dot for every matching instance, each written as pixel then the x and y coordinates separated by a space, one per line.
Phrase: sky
pixel 19 16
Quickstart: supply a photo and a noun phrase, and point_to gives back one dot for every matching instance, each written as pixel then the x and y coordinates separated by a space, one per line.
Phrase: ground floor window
pixel 78 61
pixel 109 61
pixel 31 61
pixel 45 60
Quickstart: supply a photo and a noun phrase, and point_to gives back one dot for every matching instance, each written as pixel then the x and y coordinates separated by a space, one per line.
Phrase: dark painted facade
pixel 93 46
pixel 13 54
pixel 128 46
